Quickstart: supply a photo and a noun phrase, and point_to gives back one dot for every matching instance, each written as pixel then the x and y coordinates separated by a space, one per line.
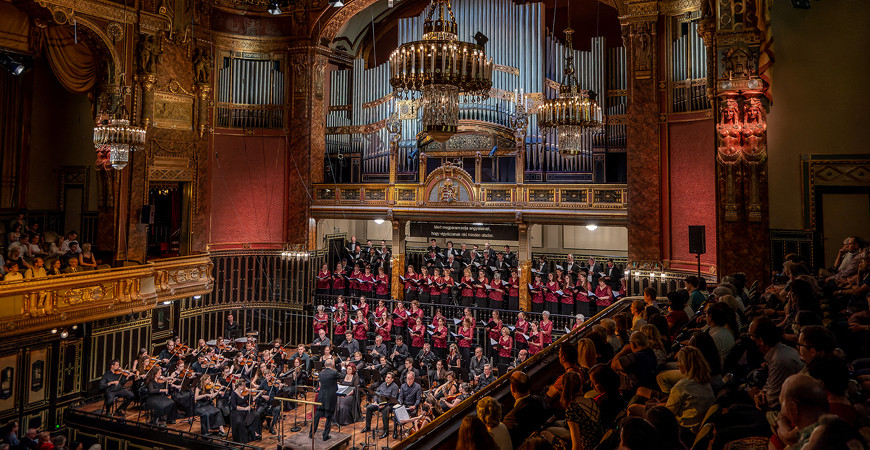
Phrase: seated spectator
pixel 568 360
pixel 846 264
pixel 73 266
pixel 55 248
pixel 12 273
pixel 666 379
pixel 489 412
pixel 668 430
pixel 815 341
pixel 606 384
pixel 55 268
pixel 473 435
pixel 834 433
pixel 586 357
pixel 655 343
pixel 623 328
pixel 528 413
pixel 677 317
pixel 649 296
pixel 636 434
pixel 803 401
pixel 692 396
pixel 87 261
pixel 598 335
pixel 723 327
pixel 15 256
pixel 612 338
pixel 637 309
pixel 696 298
pixel 37 246
pixel 582 414
pixel 636 362
pixel 782 361
pixel 37 271
pixel 833 373
pixel 72 253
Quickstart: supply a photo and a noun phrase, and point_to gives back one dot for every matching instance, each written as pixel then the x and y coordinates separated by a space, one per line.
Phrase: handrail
pixel 423 438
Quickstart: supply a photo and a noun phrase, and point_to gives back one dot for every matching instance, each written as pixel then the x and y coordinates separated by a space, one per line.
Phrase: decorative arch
pixel 449 185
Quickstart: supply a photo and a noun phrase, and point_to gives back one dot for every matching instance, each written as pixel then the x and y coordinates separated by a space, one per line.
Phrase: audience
pixel 473 435
pixel 489 412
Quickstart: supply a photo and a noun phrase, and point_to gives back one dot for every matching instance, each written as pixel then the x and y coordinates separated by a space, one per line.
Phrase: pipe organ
pixel 688 68
pixel 250 91
pixel 527 58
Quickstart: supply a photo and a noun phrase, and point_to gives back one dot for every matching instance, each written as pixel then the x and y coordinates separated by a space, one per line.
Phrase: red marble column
pixel 644 158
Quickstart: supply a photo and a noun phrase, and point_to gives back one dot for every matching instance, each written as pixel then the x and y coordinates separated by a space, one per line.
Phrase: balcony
pixel 45 303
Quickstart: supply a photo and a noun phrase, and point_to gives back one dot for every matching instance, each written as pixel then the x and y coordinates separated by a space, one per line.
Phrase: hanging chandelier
pixel 438 69
pixel 117 138
pixel 573 113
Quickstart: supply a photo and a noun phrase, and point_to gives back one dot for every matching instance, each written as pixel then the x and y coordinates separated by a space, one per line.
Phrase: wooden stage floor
pixel 271 441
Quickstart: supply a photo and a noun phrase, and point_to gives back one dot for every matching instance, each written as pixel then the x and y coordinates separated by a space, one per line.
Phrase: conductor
pixel 327 398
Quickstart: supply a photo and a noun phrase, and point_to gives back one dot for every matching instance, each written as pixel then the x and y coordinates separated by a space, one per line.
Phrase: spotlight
pixel 15 66
pixel 592 227
pixel 379 221
pixel 54 331
pixel 64 334
pixel 197 297
pixel 167 302
pixel 481 39
pixel 274 9
pixel 75 327
pixel 336 3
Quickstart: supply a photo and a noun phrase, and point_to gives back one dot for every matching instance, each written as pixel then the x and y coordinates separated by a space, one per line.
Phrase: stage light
pixel 167 302
pixel 481 39
pixel 591 227
pixel 274 9
pixel 197 297
pixel 478 224
pixel 64 334
pixel 75 327
pixel 379 221
pixel 54 331
pixel 12 65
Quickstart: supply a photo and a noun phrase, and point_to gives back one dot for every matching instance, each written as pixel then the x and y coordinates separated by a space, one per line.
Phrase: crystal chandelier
pixel 438 69
pixel 573 112
pixel 119 138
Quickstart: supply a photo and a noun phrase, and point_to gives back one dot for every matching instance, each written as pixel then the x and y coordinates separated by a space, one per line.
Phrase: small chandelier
pixel 438 69
pixel 117 138
pixel 573 112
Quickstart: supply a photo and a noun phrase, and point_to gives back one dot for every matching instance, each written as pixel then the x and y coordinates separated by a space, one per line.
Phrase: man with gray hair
pixel 802 401
pixel 637 361
pixel 848 257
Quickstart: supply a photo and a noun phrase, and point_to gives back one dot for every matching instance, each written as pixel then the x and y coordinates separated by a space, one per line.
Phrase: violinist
pixel 168 354
pixel 438 374
pixel 201 348
pixel 296 376
pixel 271 386
pixel 181 396
pixel 200 366
pixel 450 402
pixel 250 350
pixel 210 418
pixel 448 389
pixel 112 383
pixel 384 367
pixel 329 356
pixel 278 355
pixel 141 366
pixel 231 327
pixel 162 408
pixel 240 407
pixel 224 386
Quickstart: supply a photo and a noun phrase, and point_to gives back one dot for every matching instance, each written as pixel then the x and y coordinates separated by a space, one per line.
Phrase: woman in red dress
pixel 340 318
pixel 466 293
pixel 496 294
pixel 493 330
pixel 434 289
pixel 521 328
pixel 360 327
pixel 384 326
pixel 505 346
pixel 535 345
pixel 321 321
pixel 418 331
pixel 363 306
pixel 550 293
pixel 439 338
pixel 324 279
pixel 481 298
pixel 537 293
pixel 381 309
pixel 367 282
pixel 423 290
pixel 338 281
pixel 546 329
pixel 567 306
pixel 410 286
pixel 415 312
pixel 382 287
pixel 446 284
pixel 604 294
pixel 513 291
pixel 581 300
pixel 467 333
pixel 400 323
pixel 354 285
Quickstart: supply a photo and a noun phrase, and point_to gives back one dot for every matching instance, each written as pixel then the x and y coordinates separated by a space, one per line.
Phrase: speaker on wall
pixel 147 215
pixel 697 239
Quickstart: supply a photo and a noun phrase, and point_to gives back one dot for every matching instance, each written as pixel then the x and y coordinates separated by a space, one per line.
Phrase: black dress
pixel 348 409
pixel 210 417
pixel 158 403
pixel 238 418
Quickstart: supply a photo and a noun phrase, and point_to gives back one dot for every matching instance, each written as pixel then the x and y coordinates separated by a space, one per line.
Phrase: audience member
pixel 473 435
pixel 782 361
pixel 489 412
pixel 803 402
pixel 528 413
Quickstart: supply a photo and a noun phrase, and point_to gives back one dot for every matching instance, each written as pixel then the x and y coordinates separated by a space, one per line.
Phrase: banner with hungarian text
pixel 496 232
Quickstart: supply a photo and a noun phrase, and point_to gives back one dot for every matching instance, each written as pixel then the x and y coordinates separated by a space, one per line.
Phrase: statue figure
pixel 728 129
pixel 754 131
pixel 201 66
pixel 149 55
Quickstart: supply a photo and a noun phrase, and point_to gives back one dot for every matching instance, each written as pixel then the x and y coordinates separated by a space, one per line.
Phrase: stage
pixel 87 417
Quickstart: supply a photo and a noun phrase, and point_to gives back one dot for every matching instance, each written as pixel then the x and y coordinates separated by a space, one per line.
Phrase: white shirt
pixel 724 340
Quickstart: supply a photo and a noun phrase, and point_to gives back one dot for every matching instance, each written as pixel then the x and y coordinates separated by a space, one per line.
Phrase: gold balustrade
pixel 52 302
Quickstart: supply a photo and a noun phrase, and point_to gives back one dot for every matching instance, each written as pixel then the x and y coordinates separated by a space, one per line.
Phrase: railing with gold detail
pixel 43 303
pixel 560 197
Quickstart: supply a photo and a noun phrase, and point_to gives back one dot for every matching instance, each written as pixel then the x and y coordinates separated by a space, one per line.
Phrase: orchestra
pixel 393 360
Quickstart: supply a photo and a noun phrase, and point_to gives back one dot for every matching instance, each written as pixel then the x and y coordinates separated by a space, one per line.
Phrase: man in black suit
pixel 231 327
pixel 384 390
pixel 543 267
pixel 595 270
pixel 433 247
pixel 502 266
pixel 509 256
pixel 612 275
pixel 453 268
pixel 571 267
pixel 464 254
pixel 113 386
pixel 450 251
pixel 528 413
pixel 327 397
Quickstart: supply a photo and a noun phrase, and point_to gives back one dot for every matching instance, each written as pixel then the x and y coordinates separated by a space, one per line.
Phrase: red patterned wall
pixel 692 179
pixel 248 185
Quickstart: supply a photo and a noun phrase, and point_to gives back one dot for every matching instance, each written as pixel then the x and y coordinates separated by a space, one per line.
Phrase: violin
pixel 248 391
pixel 181 348
pixel 123 372
pixel 186 373
pixel 209 386
pixel 233 378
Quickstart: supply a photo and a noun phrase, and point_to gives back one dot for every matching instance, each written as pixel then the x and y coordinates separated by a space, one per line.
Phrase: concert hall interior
pixel 448 224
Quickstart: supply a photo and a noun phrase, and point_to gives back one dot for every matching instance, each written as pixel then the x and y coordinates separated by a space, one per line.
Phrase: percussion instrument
pixel 240 343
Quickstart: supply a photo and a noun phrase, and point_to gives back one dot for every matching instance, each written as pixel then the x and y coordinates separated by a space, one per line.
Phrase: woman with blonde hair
pixel 586 353
pixel 692 396
pixel 655 342
pixel 489 412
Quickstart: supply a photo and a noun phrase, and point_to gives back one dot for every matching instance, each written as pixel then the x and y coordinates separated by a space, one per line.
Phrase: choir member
pixel 384 327
pixel 567 300
pixel 367 282
pixel 411 284
pixel 415 311
pixel 513 290
pixel 380 309
pixel 535 344
pixel 425 285
pixel 360 327
pixel 496 294
pixel 382 286
pixel 505 346
pixel 354 283
pixel 494 327
pixel 321 320
pixel 324 277
pixel 604 294
pixel 521 328
pixel 537 294
pixel 340 329
pixel 446 284
pixel 581 300
pixel 550 294
pixel 546 327
pixel 466 292
pixel 434 288
pixel 400 320
pixel 481 298
pixel 417 336
pixel 439 337
pixel 466 332
pixel 339 282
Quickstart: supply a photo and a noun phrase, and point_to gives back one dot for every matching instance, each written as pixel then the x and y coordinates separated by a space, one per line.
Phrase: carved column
pixel 741 131
pixel 202 90
pixel 398 265
pixel 305 128
pixel 524 257
pixel 639 31
pixel 148 80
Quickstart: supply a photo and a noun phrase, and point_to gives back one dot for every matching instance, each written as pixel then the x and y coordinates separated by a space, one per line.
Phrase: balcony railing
pixel 43 303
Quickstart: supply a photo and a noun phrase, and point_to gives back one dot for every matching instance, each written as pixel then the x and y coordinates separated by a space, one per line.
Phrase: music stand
pixel 316 350
pixel 343 352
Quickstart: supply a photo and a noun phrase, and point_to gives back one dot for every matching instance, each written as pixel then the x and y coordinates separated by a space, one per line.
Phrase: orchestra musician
pixel 169 354
pixel 454 359
pixel 426 357
pixel 379 348
pixel 351 344
pixel 475 367
pixel 270 386
pixel 241 406
pixel 296 375
pixel 450 402
pixel 210 418
pixel 449 388
pixel 486 377
pixel 410 396
pixel 321 339
pixel 522 356
pixel 112 383
pixel 408 367
pixel 386 389
pixel 438 374
pixel 384 366
pixel 400 350
pixel 231 327
pixel 301 354
pixel 182 397
pixel 161 407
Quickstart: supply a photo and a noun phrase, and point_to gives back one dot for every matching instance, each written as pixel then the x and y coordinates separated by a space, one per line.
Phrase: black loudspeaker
pixel 697 239
pixel 147 215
